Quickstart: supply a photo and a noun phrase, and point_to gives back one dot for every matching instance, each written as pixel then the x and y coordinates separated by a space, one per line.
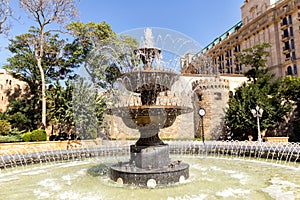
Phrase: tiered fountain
pixel 149 163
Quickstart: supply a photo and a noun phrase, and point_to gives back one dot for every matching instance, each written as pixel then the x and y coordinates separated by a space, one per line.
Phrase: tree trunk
pixel 39 55
pixel 39 63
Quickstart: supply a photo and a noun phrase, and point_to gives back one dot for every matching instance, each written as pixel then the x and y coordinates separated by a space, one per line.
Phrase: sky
pixel 199 20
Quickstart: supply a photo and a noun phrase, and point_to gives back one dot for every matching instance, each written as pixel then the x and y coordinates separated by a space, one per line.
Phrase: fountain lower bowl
pixel 149 116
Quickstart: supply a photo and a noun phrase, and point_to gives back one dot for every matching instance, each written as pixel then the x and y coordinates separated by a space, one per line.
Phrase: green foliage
pixel 88 107
pixel 239 118
pixel 290 89
pixel 35 135
pixel 25 113
pixel 255 58
pixel 290 93
pixel 26 137
pixel 60 103
pixel 10 138
pixel 57 61
pixel 22 113
pixel 5 127
pixel 38 135
pixel 8 134
pixel 263 92
pixel 104 54
pixel 109 60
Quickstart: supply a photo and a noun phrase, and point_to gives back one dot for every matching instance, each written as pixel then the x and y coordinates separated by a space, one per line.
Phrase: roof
pixel 220 38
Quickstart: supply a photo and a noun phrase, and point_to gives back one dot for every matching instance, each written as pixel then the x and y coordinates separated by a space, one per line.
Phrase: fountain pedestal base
pixel 149 166
pixel 149 156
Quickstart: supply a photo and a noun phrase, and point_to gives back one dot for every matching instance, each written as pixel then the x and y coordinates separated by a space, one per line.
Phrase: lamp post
pixel 257 112
pixel 201 113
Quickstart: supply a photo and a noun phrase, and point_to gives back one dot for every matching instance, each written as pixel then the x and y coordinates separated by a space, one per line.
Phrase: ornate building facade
pixel 10 87
pixel 276 22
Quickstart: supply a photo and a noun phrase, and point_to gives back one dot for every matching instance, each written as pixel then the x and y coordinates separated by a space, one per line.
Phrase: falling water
pixel 148 41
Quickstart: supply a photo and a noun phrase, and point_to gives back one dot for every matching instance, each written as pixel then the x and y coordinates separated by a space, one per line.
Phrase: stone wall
pixel 34 147
pixel 212 94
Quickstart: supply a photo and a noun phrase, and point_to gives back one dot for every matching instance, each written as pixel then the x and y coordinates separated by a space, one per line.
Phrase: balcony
pixel 289 59
pixel 286 50
pixel 284 25
pixel 285 38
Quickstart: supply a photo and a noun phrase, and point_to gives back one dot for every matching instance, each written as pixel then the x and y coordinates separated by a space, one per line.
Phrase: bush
pixel 38 135
pixel 4 127
pixel 10 138
pixel 26 137
pixel 16 132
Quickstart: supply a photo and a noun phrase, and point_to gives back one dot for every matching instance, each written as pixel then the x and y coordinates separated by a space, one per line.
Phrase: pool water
pixel 210 178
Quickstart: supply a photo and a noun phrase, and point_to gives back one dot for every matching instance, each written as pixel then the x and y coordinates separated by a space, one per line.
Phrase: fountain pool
pixel 218 173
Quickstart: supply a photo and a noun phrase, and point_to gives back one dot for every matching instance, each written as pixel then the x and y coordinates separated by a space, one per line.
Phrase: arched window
pixel 295 69
pixel 264 7
pixel 289 70
pixel 253 12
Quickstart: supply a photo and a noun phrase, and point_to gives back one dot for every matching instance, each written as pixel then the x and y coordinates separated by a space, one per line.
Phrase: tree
pixel 254 57
pixel 263 91
pixel 289 91
pixel 88 108
pixel 60 103
pixel 4 14
pixel 239 118
pixel 57 63
pixel 46 12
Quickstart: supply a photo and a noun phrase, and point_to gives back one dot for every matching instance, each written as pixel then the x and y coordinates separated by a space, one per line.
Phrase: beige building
pixel 9 88
pixel 276 22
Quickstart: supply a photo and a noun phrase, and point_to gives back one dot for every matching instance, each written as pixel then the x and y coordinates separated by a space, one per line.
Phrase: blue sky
pixel 200 20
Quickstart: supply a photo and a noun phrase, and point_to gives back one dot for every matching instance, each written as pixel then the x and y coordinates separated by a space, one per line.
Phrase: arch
pixel 264 7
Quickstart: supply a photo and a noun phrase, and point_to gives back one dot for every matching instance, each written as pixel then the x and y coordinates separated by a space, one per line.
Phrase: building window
pixel 292 44
pixel 290 19
pixel 295 69
pixel 286 33
pixel 218 96
pixel 291 31
pixel 200 98
pixel 289 70
pixel 287 45
pixel 284 21
pixel 293 55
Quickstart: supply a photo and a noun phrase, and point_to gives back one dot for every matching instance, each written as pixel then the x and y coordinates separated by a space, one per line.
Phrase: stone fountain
pixel 149 163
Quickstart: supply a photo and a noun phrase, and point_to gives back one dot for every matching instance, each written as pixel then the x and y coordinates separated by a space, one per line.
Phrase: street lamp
pixel 257 112
pixel 202 112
